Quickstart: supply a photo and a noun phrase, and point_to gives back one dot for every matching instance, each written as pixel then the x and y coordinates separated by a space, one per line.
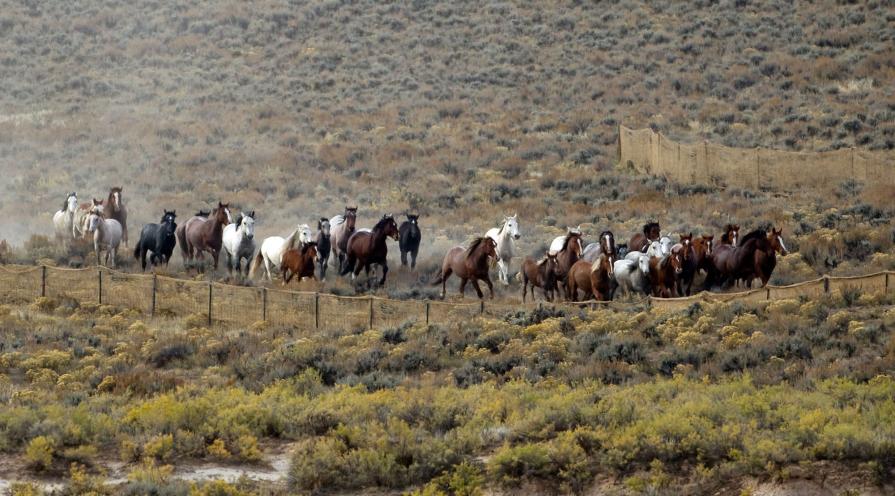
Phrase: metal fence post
pixel 210 285
pixel 99 276
pixel 371 311
pixel 263 303
pixel 154 289
pixel 43 280
pixel 317 310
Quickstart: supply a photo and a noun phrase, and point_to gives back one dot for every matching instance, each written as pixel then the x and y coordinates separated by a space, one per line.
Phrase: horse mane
pixel 648 226
pixel 475 245
pixel 757 234
pixel 306 246
pixel 238 220
pixel 382 222
pixel 569 236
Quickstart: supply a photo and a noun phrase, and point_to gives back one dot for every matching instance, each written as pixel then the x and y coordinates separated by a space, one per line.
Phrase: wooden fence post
pixel 826 284
pixel 481 307
pixel 316 310
pixel 210 285
pixel 427 304
pixel 264 304
pixel 371 311
pixel 154 289
pixel 887 282
pixel 43 280
pixel 99 276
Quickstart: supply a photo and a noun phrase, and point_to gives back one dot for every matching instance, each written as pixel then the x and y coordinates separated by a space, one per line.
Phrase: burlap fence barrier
pixel 753 168
pixel 231 306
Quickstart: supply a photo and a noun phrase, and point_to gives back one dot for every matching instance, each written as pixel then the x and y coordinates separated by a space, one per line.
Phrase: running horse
pixel 730 263
pixel 766 258
pixel 158 239
pixel 469 264
pixel 568 254
pixel 505 237
pixel 323 246
pixel 300 262
pixel 640 241
pixel 115 209
pixel 664 272
pixel 63 220
pixel 541 274
pixel 365 248
pixel 199 234
pixel 594 277
pixel 341 229
pixel 731 235
pixel 239 242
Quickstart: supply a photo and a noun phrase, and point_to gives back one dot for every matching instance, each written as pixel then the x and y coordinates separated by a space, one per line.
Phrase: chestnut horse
pixel 664 271
pixel 365 248
pixel 703 247
pixel 470 264
pixel 640 241
pixel 540 274
pixel 566 258
pixel 592 278
pixel 765 259
pixel 115 209
pixel 300 262
pixel 199 234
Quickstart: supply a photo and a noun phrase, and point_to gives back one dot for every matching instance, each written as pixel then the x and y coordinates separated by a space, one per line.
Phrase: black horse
pixel 323 246
pixel 158 239
pixel 410 239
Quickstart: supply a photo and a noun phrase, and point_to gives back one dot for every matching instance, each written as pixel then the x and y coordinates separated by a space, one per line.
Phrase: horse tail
pixel 180 233
pixel 349 264
pixel 520 276
pixel 258 260
pixel 438 279
pixel 137 250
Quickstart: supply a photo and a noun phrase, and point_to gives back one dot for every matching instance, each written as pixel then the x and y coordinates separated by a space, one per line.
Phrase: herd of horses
pixel 650 263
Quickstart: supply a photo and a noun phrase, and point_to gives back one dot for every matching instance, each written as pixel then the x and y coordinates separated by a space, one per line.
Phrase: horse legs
pixel 403 258
pixel 525 288
pixel 215 254
pixel 267 268
pixel 491 287
pixel 413 254
pixel 478 290
pixel 384 272
pixel 444 277
pixel 502 272
pixel 463 282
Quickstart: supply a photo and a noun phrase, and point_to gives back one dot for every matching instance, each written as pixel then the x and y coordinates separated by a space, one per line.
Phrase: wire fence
pixel 226 305
pixel 759 168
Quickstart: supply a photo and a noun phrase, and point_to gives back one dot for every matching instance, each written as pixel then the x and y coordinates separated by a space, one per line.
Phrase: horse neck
pixel 214 227
pixel 377 236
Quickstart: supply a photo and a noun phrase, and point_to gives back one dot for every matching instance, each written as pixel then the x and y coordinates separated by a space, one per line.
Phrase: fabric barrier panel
pixel 872 283
pixel 78 284
pixel 813 288
pixel 393 313
pixel 236 306
pixel 20 283
pixel 180 298
pixel 441 312
pixel 127 290
pixel 344 313
pixel 291 308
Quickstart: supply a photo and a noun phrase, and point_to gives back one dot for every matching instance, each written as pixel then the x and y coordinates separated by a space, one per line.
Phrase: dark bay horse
pixel 469 264
pixel 115 209
pixel 323 246
pixel 300 262
pixel 730 263
pixel 365 248
pixel 199 234
pixel 766 258
pixel 341 229
pixel 539 274
pixel 566 258
pixel 158 239
pixel 689 264
pixel 641 240
pixel 410 239
pixel 731 235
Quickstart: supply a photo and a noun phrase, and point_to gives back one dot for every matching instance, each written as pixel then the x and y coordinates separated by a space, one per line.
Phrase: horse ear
pixel 252 215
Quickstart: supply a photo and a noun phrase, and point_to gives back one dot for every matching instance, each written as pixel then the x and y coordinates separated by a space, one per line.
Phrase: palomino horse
pixel 198 235
pixel 664 271
pixel 159 239
pixel 79 221
pixel 540 274
pixel 640 241
pixel 274 247
pixel 239 241
pixel 469 264
pixel 115 209
pixel 341 228
pixel 731 235
pixel 300 262
pixel 63 220
pixel 591 278
pixel 765 259
pixel 323 246
pixel 730 263
pixel 409 242
pixel 566 258
pixel 365 248
pixel 505 237
pixel 106 236
pixel 633 275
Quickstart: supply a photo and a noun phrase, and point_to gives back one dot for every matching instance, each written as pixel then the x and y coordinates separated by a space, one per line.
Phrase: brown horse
pixel 566 258
pixel 341 228
pixel 199 234
pixel 470 264
pixel 703 247
pixel 731 235
pixel 641 241
pixel 689 264
pixel 664 271
pixel 115 209
pixel 592 278
pixel 766 258
pixel 730 263
pixel 540 274
pixel 300 262
pixel 365 248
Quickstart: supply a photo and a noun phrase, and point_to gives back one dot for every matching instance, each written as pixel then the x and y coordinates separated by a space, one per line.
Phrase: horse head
pixel 652 231
pixel 323 226
pixel 607 245
pixel 686 242
pixel 708 243
pixel 303 233
pixel 71 203
pixel 115 198
pixel 665 244
pixel 389 226
pixel 222 214
pixel 91 222
pixel 573 243
pixel 247 225
pixel 309 250
pixel 731 234
pixel 413 218
pixel 676 259
pixel 775 237
pixel 643 264
pixel 511 224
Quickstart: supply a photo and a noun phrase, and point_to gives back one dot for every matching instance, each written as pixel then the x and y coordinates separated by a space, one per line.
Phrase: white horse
pixel 505 237
pixel 659 248
pixel 79 219
pixel 239 241
pixel 633 275
pixel 106 235
pixel 273 248
pixel 560 241
pixel 63 220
